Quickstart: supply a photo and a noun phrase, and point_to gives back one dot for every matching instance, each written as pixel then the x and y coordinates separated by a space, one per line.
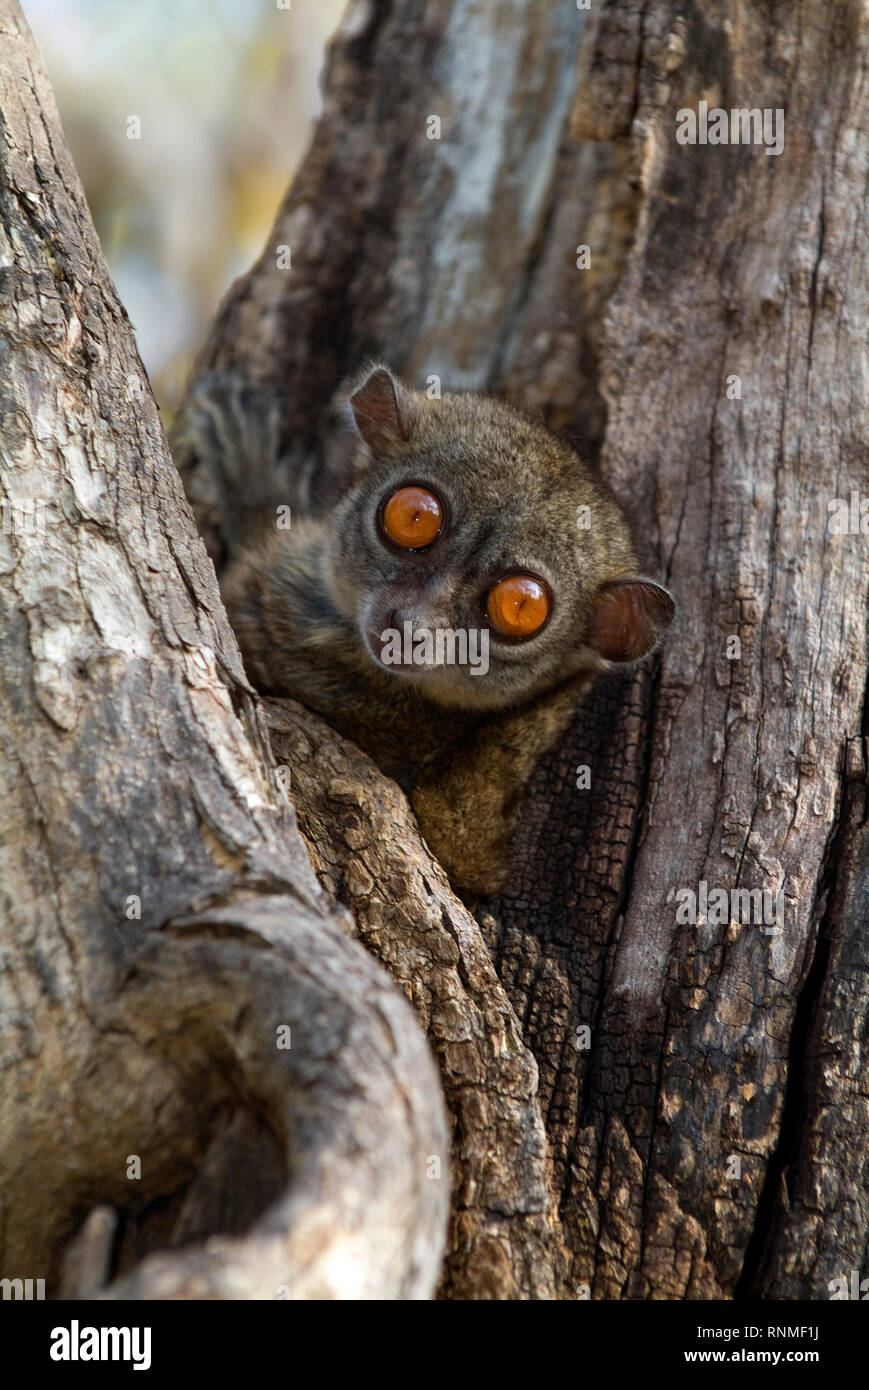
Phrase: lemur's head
pixel 466 518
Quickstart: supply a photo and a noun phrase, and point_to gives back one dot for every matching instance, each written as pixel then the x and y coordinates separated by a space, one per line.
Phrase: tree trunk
pixel 175 986
pixel 640 1107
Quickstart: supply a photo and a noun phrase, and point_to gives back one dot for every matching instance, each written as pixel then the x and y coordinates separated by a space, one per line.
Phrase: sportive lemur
pixel 456 516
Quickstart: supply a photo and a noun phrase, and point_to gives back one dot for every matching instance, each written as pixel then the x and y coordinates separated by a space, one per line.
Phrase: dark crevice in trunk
pixel 786 1152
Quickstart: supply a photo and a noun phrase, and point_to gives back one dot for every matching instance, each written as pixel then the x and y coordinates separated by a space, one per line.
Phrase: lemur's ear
pixel 383 410
pixel 628 618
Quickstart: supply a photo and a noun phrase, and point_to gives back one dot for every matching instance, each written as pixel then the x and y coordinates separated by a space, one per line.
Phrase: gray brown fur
pixel 301 600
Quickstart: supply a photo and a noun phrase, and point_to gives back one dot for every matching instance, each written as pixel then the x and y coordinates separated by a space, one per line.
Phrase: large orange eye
pixel 413 517
pixel 518 606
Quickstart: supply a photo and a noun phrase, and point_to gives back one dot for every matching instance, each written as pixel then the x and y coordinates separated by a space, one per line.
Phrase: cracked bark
pixel 160 921
pixel 606 1167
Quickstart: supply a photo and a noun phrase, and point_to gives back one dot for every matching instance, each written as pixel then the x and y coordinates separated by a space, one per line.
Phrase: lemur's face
pixel 477 558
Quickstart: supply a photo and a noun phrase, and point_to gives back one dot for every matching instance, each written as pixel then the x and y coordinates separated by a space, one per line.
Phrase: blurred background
pixel 227 92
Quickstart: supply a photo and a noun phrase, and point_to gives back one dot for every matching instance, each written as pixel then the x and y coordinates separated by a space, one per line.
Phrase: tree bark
pixel 175 986
pixel 708 1138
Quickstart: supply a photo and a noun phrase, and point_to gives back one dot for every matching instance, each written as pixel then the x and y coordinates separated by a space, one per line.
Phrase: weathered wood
pixel 750 264
pixel 365 845
pixel 160 921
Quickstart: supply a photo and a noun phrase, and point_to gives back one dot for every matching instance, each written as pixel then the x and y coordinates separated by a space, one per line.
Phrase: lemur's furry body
pixel 307 603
